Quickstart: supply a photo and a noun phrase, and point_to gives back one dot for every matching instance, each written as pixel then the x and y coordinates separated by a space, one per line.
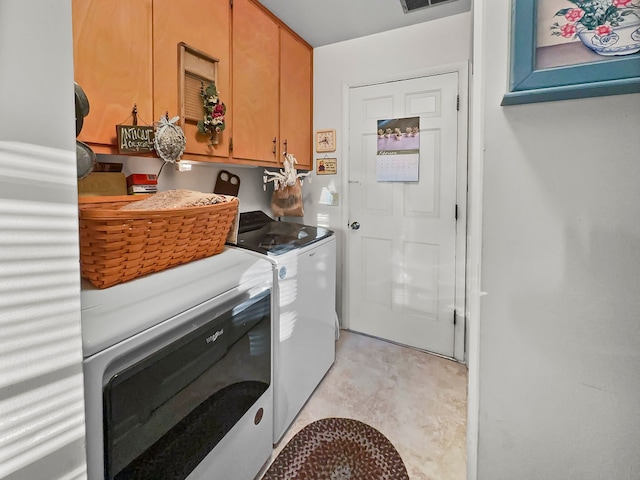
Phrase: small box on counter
pixel 102 183
pixel 142 179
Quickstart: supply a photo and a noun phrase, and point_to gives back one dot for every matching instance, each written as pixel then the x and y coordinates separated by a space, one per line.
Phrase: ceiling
pixel 321 22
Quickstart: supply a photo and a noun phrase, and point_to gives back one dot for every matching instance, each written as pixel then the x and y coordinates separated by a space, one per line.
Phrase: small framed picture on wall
pixel 326 166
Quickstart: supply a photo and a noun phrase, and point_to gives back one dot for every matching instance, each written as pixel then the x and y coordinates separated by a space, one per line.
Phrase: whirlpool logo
pixel 215 336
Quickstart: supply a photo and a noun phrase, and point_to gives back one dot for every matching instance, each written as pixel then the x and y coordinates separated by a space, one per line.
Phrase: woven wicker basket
pixel 120 245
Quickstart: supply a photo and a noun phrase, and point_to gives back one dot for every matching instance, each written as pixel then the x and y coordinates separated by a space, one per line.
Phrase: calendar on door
pixel 398 152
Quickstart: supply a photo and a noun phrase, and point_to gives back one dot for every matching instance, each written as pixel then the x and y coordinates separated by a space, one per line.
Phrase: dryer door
pixel 167 402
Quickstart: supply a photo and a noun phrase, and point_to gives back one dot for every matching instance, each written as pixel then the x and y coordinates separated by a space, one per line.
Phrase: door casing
pixel 461 288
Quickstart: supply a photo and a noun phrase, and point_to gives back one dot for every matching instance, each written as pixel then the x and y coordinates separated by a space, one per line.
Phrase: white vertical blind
pixel 41 385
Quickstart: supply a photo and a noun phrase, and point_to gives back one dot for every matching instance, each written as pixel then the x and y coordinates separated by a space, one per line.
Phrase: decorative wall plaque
pixel 134 138
pixel 326 166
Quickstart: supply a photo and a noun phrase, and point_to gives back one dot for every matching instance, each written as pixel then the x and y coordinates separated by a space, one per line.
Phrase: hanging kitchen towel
pixel 287 201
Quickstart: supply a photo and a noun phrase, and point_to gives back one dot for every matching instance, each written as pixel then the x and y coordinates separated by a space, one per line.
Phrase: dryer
pixel 178 372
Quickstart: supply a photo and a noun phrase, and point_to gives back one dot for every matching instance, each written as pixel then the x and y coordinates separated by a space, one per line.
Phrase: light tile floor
pixel 417 400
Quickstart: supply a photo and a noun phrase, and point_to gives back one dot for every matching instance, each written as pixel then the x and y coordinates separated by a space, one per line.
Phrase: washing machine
pixel 303 259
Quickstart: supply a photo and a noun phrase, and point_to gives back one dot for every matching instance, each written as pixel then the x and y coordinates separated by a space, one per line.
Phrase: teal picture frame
pixel 610 76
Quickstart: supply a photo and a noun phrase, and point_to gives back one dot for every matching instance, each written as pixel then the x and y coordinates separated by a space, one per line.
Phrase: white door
pixel 402 240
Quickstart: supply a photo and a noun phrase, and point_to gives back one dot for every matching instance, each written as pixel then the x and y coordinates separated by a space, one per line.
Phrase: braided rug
pixel 338 449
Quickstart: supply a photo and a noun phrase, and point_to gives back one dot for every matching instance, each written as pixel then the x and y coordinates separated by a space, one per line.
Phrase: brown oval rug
pixel 338 449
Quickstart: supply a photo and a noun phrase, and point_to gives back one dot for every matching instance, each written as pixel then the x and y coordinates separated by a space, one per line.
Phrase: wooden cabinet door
pixel 255 84
pixel 113 65
pixel 203 25
pixel 296 79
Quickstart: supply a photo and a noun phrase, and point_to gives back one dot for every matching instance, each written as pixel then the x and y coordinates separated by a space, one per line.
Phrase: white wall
pixel 560 329
pixel 42 431
pixel 202 178
pixel 36 73
pixel 391 55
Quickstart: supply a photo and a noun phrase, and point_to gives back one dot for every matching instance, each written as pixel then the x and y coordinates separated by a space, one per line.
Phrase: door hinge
pixel 457 101
pixel 455 317
pixel 456 213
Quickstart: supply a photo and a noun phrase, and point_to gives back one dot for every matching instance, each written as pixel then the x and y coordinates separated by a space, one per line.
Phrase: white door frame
pixel 462 69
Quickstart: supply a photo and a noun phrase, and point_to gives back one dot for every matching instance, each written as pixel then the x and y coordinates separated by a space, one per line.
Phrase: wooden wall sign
pixel 326 166
pixel 134 138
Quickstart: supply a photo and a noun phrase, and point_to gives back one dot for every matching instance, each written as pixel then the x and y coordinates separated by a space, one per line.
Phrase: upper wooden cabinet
pixel 204 26
pixel 296 73
pixel 272 88
pixel 126 52
pixel 113 65
pixel 256 74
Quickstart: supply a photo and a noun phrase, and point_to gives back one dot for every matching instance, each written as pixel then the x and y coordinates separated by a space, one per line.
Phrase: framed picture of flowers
pixel 563 49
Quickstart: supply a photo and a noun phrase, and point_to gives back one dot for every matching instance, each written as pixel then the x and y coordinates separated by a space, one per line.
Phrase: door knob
pixel 354 226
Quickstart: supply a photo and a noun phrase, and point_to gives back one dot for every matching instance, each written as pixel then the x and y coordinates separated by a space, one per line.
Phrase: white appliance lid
pixel 113 314
pixel 260 233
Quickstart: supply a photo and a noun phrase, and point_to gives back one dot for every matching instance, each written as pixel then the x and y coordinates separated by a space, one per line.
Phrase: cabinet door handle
pixel 285 146
pixel 274 146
